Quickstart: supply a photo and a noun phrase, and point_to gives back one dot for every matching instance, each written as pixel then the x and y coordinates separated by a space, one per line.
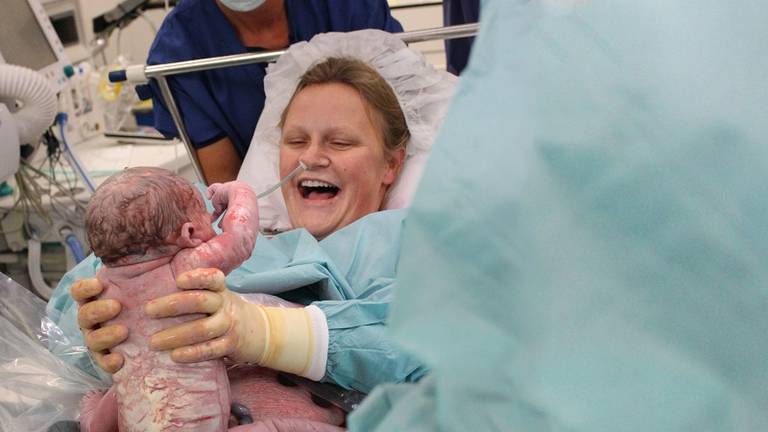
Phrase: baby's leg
pixel 98 411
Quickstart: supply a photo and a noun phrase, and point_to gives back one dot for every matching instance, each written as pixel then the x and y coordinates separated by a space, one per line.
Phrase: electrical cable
pixel 61 119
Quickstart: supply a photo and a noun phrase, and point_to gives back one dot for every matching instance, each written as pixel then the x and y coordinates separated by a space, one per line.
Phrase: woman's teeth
pixel 316 189
pixel 315 183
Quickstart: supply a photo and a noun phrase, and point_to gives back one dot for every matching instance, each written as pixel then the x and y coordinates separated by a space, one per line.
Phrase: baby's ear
pixel 187 238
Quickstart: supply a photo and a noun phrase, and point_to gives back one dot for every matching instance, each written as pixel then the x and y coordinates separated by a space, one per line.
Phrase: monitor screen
pixel 66 28
pixel 22 41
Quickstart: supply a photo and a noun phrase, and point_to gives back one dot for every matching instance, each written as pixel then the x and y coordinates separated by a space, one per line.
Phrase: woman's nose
pixel 314 156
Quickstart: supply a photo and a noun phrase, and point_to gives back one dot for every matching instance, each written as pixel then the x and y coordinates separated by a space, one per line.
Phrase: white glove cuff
pixel 296 340
pixel 319 359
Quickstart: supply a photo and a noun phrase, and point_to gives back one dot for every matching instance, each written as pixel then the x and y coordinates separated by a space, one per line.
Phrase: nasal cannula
pixel 296 171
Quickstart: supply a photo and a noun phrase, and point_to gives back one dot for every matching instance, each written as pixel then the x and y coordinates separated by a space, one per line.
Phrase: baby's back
pixel 153 391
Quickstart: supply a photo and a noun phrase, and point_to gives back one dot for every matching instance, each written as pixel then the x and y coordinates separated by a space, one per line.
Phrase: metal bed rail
pixel 142 73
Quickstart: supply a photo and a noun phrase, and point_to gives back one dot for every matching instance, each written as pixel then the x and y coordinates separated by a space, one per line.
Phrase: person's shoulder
pixel 187 15
pixel 179 34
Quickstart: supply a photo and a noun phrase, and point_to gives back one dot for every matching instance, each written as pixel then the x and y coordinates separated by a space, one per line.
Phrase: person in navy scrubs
pixel 220 107
pixel 456 12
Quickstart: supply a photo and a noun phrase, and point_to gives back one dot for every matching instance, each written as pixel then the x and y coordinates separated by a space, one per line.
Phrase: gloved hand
pixel 90 315
pixel 286 339
pixel 215 336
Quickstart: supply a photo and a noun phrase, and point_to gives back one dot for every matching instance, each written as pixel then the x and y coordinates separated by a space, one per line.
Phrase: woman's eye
pixel 294 142
pixel 341 143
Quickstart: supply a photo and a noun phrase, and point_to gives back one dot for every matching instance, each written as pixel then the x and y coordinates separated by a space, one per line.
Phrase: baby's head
pixel 141 210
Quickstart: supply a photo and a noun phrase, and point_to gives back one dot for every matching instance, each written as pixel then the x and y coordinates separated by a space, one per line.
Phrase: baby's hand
pixel 218 193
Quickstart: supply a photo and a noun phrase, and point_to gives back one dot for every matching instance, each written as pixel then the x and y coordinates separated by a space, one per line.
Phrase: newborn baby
pixel 149 225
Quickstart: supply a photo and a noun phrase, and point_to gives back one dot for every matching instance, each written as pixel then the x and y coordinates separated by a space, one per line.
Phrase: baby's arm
pixel 240 225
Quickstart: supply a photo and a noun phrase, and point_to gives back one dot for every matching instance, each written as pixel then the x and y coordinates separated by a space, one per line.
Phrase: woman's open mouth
pixel 317 190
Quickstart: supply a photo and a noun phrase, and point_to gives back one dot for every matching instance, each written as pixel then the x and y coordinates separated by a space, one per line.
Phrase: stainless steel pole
pixel 451 32
pixel 174 110
pixel 153 71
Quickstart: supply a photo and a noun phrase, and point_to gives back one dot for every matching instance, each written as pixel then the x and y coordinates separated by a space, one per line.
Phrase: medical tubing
pixel 61 119
pixel 75 247
pixel 37 97
pixel 296 171
pixel 34 250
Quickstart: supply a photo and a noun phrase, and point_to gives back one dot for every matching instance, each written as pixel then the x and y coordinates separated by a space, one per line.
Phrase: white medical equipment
pixel 9 144
pixel 68 18
pixel 27 38
pixel 43 216
pixel 35 101
pixel 34 104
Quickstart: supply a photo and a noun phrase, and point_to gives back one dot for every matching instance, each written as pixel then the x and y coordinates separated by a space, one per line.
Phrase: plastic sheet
pixel 37 389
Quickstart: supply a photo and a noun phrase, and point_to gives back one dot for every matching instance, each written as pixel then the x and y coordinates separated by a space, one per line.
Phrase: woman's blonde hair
pixel 387 114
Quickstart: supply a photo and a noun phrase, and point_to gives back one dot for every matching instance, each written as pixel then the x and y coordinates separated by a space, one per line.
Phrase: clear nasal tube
pixel 296 171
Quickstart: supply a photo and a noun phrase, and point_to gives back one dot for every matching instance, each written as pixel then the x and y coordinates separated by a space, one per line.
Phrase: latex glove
pixel 217 335
pixel 287 339
pixel 91 314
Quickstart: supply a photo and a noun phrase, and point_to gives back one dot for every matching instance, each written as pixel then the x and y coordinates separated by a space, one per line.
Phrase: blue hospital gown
pixel 349 275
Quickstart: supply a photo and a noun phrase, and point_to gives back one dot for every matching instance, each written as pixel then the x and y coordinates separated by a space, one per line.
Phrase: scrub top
pixel 457 12
pixel 228 102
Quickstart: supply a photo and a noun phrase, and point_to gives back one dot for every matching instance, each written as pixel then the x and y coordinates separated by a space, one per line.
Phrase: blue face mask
pixel 242 5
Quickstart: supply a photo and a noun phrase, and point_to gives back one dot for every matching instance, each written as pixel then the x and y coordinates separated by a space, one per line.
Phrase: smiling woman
pixel 400 96
pixel 345 123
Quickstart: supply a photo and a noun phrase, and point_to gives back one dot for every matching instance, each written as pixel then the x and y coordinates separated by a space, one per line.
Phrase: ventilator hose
pixel 35 273
pixel 75 247
pixel 37 97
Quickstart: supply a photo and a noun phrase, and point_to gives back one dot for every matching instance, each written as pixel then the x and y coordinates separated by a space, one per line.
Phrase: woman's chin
pixel 321 228
pixel 318 216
